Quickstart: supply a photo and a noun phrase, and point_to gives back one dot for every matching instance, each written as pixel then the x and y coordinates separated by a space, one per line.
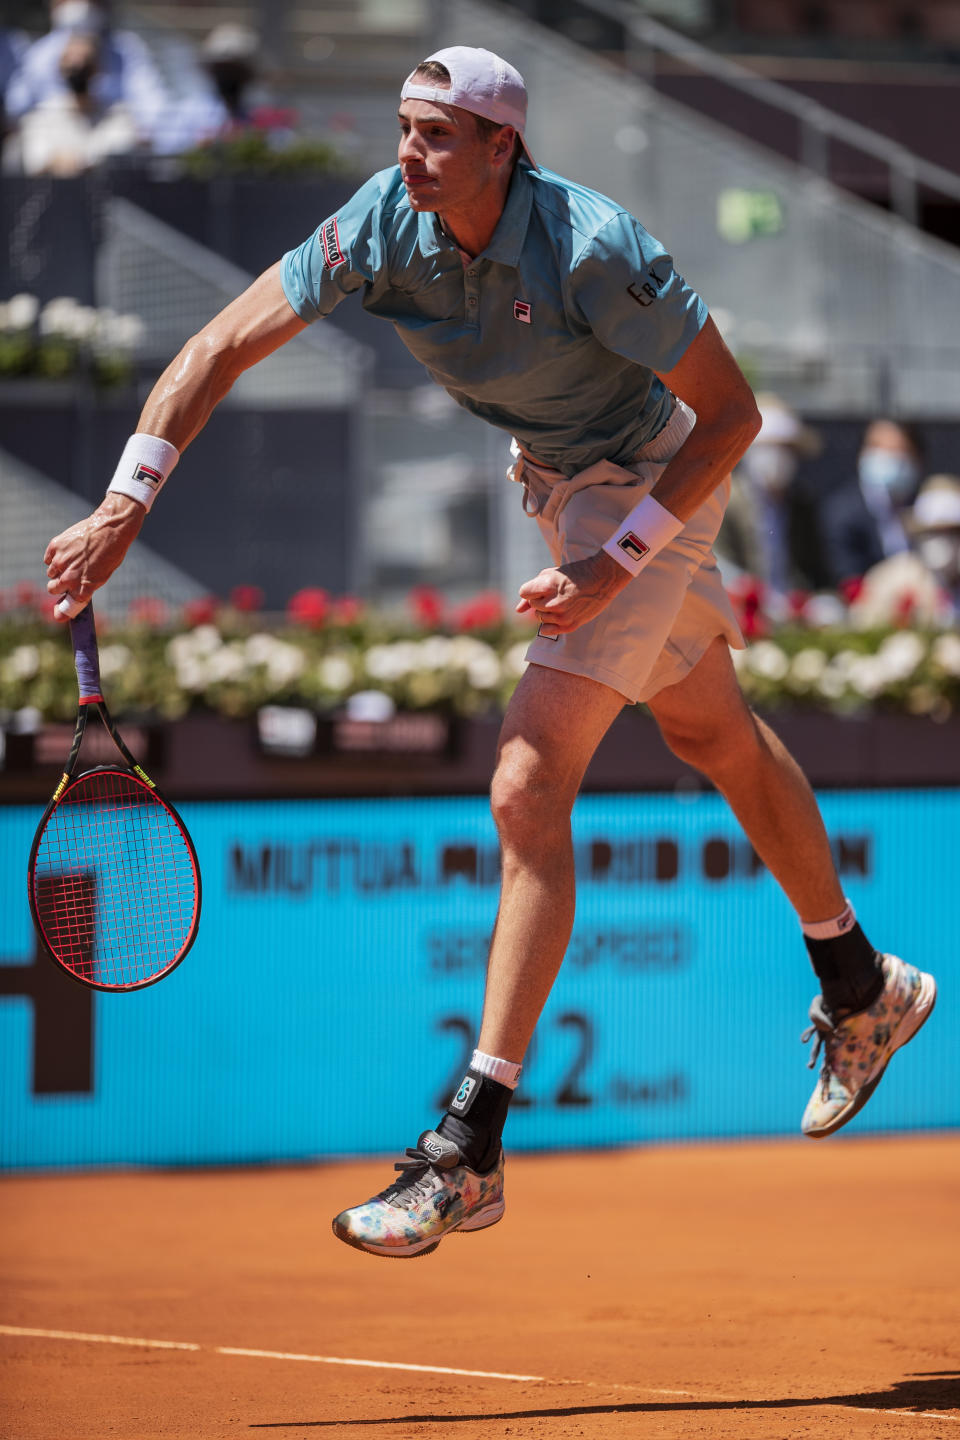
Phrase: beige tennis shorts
pixel 656 629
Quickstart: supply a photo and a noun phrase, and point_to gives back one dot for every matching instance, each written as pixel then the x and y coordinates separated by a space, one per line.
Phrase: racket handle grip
pixel 86 657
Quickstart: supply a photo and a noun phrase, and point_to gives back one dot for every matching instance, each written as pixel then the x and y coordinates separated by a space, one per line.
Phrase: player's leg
pixel 871 1004
pixel 453 1178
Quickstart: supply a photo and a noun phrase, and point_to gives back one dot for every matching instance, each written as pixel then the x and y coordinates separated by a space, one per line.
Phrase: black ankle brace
pixel 475 1119
pixel 848 968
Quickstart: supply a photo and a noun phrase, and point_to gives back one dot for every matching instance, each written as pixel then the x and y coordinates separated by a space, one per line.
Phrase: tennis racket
pixel 113 877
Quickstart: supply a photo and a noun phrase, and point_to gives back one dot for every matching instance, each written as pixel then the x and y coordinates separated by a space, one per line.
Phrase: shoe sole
pixel 482 1220
pixel 918 1014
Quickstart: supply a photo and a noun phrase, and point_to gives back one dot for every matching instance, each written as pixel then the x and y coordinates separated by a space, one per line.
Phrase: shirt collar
pixel 507 241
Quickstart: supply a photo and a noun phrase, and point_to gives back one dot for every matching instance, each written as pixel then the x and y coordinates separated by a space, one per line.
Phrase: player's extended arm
pixel 712 384
pixel 260 320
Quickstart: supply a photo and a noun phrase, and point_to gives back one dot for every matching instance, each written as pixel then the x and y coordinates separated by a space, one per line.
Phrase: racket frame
pixel 95 702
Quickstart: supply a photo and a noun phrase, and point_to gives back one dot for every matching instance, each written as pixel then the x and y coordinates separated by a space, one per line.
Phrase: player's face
pixel 444 161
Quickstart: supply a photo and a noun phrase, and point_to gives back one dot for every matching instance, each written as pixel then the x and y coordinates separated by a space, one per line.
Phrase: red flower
pixel 427 606
pixel 246 598
pixel 797 601
pixel 481 612
pixel 201 612
pixel 851 587
pixel 747 594
pixel 147 610
pixel 309 607
pixel 347 610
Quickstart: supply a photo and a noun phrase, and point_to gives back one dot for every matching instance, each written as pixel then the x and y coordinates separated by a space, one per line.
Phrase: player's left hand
pixel 564 597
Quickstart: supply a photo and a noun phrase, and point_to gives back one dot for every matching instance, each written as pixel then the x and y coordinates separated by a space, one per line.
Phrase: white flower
pixel 336 673
pixel 515 660
pixel 392 662
pixel 436 652
pixel 483 671
pixel 203 641
pixel 227 663
pixel 21 312
pixel 766 659
pixel 945 653
pixel 900 655
pixel 192 674
pixel 286 663
pixel 114 659
pixel 64 316
pixel 807 666
pixel 22 663
pixel 867 676
pixel 831 684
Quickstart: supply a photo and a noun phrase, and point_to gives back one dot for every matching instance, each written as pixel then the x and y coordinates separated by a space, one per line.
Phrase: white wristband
pixel 642 533
pixel 144 466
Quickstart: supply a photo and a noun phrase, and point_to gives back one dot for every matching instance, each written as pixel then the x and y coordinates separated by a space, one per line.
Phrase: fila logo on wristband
pixel 633 546
pixel 649 519
pixel 145 467
pixel 149 476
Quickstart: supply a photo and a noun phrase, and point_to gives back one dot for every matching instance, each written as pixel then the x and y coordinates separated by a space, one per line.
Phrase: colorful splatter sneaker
pixel 858 1048
pixel 433 1195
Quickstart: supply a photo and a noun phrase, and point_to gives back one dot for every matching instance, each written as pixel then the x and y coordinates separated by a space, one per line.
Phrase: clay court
pixel 774 1289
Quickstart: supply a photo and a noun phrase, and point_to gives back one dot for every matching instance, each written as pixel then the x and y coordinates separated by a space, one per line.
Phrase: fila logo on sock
pixel 149 476
pixel 462 1097
pixel 633 546
pixel 522 310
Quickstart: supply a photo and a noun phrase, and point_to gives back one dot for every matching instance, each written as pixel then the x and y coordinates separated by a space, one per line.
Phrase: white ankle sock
pixel 505 1072
pixel 830 929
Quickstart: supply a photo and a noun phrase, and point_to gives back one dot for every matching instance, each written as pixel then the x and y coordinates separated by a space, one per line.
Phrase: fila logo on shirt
pixel 149 476
pixel 523 310
pixel 330 238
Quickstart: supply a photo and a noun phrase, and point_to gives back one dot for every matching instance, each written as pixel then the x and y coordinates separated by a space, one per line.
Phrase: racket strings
pixel 115 881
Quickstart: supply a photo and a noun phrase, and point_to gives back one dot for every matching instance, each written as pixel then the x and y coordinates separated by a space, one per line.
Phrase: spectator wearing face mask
pixel 863 523
pixel 934 526
pixel 219 100
pixel 71 130
pixel 125 72
pixel 756 531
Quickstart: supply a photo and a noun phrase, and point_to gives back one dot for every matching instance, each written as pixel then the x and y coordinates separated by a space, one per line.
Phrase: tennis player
pixel 550 312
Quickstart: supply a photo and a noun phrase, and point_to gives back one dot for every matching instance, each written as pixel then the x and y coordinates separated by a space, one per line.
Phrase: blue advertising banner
pixel 332 997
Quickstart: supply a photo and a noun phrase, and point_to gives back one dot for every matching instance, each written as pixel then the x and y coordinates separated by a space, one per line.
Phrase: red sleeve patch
pixel 330 237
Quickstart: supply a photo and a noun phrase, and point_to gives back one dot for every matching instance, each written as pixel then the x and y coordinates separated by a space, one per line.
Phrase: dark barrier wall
pixel 331 999
pixel 263 497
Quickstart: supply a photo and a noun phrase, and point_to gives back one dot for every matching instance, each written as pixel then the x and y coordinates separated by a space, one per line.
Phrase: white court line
pixel 428 1369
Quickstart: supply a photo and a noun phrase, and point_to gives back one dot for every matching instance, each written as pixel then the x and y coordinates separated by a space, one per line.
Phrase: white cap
pixel 937 507
pixel 479 82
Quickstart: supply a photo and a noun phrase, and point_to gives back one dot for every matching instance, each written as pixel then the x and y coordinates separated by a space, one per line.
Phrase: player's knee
pixel 711 744
pixel 526 806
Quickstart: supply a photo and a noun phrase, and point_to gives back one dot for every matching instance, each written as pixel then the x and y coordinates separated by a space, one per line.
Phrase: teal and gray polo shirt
pixel 553 333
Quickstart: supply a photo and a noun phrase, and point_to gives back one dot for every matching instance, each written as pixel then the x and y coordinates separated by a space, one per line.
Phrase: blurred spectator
pixel 934 526
pixel 126 74
pixel 71 131
pixel 217 102
pixel 920 586
pixel 756 529
pixel 13 45
pixel 862 521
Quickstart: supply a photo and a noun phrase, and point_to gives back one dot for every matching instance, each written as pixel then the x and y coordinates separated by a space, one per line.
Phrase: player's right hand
pixel 83 558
